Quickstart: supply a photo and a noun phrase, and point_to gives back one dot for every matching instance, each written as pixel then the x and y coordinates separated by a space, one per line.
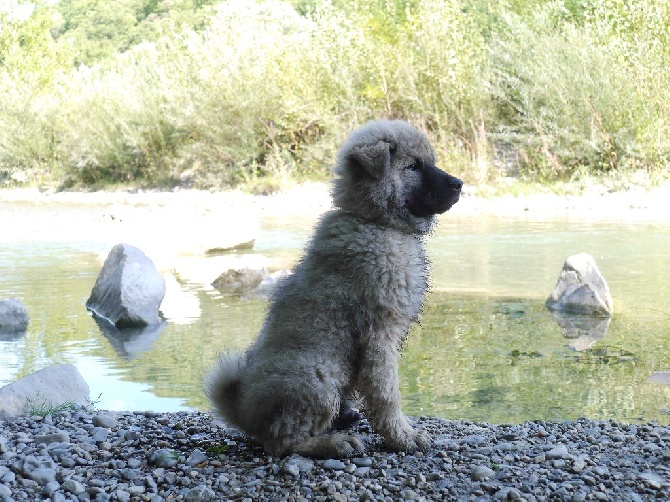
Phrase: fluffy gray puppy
pixel 336 325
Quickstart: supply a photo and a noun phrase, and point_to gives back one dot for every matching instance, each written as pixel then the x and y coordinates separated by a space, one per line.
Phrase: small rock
pixel 240 281
pixel 99 434
pixel 507 493
pixel 410 495
pixel 5 494
pixel 362 461
pixel 200 493
pixel 42 475
pixel 481 472
pixel 105 420
pixel 333 465
pixel 197 457
pixel 291 468
pixel 72 486
pixel 303 464
pixel 578 465
pixel 49 488
pixel 652 480
pixel 558 452
pixel 54 437
pixel 122 495
pixel 164 458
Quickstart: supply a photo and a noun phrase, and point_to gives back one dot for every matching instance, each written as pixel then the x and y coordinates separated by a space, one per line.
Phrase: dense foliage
pixel 162 92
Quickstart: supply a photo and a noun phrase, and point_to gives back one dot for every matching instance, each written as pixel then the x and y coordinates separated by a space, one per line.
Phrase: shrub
pixel 570 94
pixel 266 93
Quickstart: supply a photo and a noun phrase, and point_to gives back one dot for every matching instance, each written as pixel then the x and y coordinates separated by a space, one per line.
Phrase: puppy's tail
pixel 222 386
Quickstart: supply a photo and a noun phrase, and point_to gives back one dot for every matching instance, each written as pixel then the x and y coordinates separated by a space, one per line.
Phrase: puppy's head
pixel 386 173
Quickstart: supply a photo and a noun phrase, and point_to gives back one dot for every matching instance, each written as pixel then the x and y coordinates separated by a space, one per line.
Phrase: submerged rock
pixel 48 388
pixel 249 282
pixel 581 289
pixel 238 281
pixel 129 289
pixel 660 377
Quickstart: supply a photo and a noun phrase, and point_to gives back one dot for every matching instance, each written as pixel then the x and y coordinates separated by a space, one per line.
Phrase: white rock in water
pixel 129 290
pixel 581 288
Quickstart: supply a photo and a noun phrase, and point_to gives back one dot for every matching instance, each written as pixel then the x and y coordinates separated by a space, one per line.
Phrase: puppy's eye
pixel 416 166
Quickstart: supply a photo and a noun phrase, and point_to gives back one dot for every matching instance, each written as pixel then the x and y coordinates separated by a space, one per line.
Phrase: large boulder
pixel 48 388
pixel 129 289
pixel 13 317
pixel 581 289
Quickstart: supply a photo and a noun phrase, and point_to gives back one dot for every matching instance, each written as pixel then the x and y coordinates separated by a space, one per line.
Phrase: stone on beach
pixel 129 289
pixel 48 388
pixel 581 289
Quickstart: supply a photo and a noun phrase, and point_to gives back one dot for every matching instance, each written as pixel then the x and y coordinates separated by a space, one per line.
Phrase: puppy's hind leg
pixel 303 425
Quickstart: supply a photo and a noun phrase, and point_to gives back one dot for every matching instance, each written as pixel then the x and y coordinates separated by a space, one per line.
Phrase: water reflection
pixel 487 348
pixel 583 331
pixel 9 334
pixel 130 342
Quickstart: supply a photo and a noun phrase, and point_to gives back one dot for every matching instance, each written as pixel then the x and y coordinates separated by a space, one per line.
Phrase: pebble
pixel 334 465
pixel 481 472
pixel 105 420
pixel 159 457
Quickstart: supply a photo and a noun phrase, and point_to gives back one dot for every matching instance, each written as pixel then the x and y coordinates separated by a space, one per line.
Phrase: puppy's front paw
pixel 334 445
pixel 410 440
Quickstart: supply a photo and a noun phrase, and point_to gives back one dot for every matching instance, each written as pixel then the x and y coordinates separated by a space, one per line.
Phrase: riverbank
pixel 93 455
pixel 310 199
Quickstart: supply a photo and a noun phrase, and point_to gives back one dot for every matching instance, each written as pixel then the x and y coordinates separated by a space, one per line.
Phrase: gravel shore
pixel 80 455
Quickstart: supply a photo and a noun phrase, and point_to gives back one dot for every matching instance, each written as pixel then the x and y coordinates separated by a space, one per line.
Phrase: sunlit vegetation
pixel 241 92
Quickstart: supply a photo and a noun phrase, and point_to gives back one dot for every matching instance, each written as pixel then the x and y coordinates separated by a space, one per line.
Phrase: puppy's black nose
pixel 455 183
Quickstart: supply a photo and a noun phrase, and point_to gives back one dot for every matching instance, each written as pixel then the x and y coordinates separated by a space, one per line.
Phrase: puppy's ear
pixel 373 160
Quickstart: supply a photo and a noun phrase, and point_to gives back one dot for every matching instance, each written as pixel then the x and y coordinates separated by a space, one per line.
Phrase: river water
pixel 486 348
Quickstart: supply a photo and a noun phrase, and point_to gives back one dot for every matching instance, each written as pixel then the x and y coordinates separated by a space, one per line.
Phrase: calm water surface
pixel 486 349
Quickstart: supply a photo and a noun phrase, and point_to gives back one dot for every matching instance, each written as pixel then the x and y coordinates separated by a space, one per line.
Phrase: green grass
pixel 42 407
pixel 557 93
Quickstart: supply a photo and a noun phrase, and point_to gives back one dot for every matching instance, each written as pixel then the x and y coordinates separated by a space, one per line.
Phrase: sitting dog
pixel 336 325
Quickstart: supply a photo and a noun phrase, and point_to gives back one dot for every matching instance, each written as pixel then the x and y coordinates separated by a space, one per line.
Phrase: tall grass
pixel 265 93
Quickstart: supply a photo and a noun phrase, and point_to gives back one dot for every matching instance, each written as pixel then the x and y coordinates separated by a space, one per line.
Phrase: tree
pixel 27 47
